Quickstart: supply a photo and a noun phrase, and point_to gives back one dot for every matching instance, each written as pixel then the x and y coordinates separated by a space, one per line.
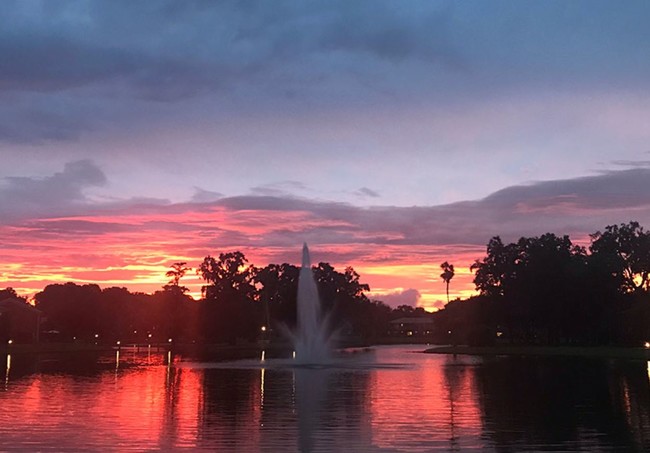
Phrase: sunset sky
pixel 390 136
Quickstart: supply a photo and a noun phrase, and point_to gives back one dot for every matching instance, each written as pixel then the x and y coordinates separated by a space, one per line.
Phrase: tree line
pixel 547 290
pixel 238 299
pixel 537 290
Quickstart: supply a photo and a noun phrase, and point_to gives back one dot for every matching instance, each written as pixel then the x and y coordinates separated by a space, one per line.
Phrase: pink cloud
pixel 395 249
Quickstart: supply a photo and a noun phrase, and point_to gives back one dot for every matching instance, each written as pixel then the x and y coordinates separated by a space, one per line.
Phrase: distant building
pixel 412 327
pixel 19 321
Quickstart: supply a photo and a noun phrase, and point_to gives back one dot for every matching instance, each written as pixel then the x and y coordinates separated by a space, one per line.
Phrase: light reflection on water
pixel 385 400
pixel 8 370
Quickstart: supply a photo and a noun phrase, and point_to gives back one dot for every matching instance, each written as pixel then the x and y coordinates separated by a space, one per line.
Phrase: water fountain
pixel 311 339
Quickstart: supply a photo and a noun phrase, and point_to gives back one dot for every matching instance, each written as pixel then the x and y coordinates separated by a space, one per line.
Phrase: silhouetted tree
pixel 230 277
pixel 230 310
pixel 537 282
pixel 447 275
pixel 373 320
pixel 74 309
pixel 408 311
pixel 494 272
pixel 10 293
pixel 538 289
pixel 341 295
pixel 624 252
pixel 278 289
pixel 177 271
pixel 172 304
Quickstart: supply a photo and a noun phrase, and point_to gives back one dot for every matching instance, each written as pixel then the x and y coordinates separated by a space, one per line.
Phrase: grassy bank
pixel 558 351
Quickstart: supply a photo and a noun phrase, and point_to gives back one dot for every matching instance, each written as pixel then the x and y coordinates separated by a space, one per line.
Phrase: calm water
pixel 387 400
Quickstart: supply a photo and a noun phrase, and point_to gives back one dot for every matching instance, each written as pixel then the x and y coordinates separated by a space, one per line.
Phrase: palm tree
pixel 447 275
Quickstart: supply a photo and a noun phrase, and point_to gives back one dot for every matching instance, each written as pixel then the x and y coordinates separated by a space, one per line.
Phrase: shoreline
pixel 611 352
pixel 182 348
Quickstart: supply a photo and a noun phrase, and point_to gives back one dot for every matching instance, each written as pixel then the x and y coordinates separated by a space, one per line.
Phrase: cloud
pixel 631 163
pixel 65 194
pixel 376 29
pixel 366 192
pixel 205 196
pixel 578 205
pixel 608 190
pixel 279 189
pixel 409 297
pixel 34 123
pixel 71 50
pixel 41 61
pixel 439 304
pixel 245 55
pixel 20 196
pixel 49 224
pixel 571 206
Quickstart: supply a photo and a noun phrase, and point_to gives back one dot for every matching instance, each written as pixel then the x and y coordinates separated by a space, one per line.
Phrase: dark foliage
pixel 238 300
pixel 546 290
pixel 537 290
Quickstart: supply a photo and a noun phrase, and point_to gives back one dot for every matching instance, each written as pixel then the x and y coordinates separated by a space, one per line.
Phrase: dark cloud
pixel 379 31
pixel 579 206
pixel 611 189
pixel 21 196
pixel 366 192
pixel 279 189
pixel 631 163
pixel 573 206
pixel 34 124
pixel 64 194
pixel 255 52
pixel 40 61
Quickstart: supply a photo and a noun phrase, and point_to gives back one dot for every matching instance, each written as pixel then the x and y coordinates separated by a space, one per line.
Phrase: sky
pixel 390 136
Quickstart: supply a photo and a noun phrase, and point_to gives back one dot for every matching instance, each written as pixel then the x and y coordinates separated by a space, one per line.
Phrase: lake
pixel 388 399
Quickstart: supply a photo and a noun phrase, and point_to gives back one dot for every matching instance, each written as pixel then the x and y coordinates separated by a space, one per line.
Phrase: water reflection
pixel 332 409
pixel 8 369
pixel 146 401
pixel 454 378
pixel 262 372
pixel 426 408
pixel 310 388
pixel 564 403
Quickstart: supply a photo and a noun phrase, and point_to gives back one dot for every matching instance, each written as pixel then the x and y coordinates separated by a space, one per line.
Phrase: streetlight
pixel 263 328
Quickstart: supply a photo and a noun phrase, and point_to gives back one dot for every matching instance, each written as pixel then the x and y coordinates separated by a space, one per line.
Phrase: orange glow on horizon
pixel 135 250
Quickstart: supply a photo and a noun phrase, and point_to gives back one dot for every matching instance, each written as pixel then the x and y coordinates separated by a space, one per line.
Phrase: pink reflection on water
pixel 435 409
pixel 150 407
